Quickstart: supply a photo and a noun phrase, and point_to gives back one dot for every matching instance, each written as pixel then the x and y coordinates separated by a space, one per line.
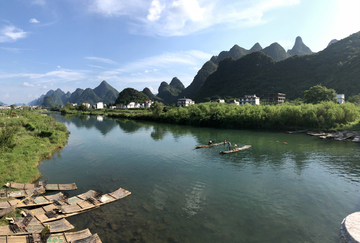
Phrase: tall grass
pixel 25 139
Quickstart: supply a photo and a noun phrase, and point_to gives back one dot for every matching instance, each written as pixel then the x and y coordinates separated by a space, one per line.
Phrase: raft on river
pixel 5 193
pixel 37 201
pixel 48 187
pixel 77 204
pixel 210 145
pixel 83 236
pixel 34 226
pixel 235 150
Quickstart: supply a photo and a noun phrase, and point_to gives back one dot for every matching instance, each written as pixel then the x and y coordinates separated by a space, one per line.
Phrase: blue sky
pixel 67 44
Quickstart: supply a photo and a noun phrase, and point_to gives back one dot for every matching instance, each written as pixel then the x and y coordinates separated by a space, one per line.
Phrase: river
pixel 285 188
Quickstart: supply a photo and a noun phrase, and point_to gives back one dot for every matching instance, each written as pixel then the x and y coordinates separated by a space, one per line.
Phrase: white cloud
pixel 34 21
pixel 155 10
pixel 26 84
pixel 39 2
pixel 164 60
pixel 7 95
pixel 184 17
pixel 112 8
pixel 10 33
pixel 11 49
pixel 99 59
pixel 53 76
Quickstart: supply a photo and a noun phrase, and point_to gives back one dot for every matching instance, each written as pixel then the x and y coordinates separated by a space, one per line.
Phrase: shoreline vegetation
pixel 326 116
pixel 26 138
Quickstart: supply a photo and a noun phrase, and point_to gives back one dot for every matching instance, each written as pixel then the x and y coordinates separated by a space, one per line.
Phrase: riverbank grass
pixel 26 138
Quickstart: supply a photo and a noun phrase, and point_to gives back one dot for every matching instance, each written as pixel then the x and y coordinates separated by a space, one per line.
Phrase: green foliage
pixel 355 99
pixel 29 127
pixel 131 95
pixel 325 115
pixel 318 93
pixel 156 108
pixel 7 137
pixel 81 108
pixel 36 137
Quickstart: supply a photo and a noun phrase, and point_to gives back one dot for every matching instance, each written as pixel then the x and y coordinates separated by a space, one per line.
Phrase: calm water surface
pixel 272 192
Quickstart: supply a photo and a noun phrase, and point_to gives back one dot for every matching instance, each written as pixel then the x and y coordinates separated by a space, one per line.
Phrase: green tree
pixel 355 99
pixel 156 108
pixel 318 93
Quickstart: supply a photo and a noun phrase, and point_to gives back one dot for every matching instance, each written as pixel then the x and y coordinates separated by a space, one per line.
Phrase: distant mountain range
pixel 238 72
pixel 1 103
pixel 103 93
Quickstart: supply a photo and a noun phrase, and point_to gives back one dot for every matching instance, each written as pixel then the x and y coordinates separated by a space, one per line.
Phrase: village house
pixel 185 102
pixel 99 105
pixel 250 99
pixel 87 105
pixel 341 98
pixel 274 98
pixel 234 102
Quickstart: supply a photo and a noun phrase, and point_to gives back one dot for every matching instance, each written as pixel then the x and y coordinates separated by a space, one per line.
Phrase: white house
pixel 131 105
pixel 185 102
pixel 340 98
pixel 99 105
pixel 250 99
pixel 234 102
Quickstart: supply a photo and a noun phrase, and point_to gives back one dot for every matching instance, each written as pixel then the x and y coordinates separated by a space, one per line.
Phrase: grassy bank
pixel 323 116
pixel 26 138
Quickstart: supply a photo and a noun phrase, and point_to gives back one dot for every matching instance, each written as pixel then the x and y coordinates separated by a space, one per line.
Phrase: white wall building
pixel 185 102
pixel 131 105
pixel 340 98
pixel 99 105
pixel 250 99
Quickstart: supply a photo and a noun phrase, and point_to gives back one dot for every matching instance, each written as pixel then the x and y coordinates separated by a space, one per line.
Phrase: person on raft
pixel 235 145
pixel 229 145
pixel 211 142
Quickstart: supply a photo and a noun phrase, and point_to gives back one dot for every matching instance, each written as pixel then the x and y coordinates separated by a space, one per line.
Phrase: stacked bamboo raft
pixel 37 201
pixel 235 150
pixel 45 220
pixel 77 204
pixel 210 145
pixel 48 187
pixel 83 236
pixel 17 227
pixel 28 189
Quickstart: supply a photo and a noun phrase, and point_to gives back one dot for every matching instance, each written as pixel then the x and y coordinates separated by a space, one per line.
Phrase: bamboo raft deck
pixel 36 226
pixel 235 150
pixel 210 145
pixel 83 236
pixel 5 193
pixel 37 201
pixel 48 187
pixel 76 205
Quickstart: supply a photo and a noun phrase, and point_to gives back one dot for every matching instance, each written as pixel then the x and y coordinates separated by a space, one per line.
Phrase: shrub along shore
pixel 288 116
pixel 27 137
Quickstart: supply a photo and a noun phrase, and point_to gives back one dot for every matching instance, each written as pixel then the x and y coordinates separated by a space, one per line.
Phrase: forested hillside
pixel 336 67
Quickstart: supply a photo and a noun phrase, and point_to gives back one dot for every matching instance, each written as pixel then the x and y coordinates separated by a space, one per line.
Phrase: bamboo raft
pixel 37 201
pixel 235 150
pixel 34 227
pixel 76 205
pixel 210 145
pixel 4 193
pixel 83 236
pixel 48 187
